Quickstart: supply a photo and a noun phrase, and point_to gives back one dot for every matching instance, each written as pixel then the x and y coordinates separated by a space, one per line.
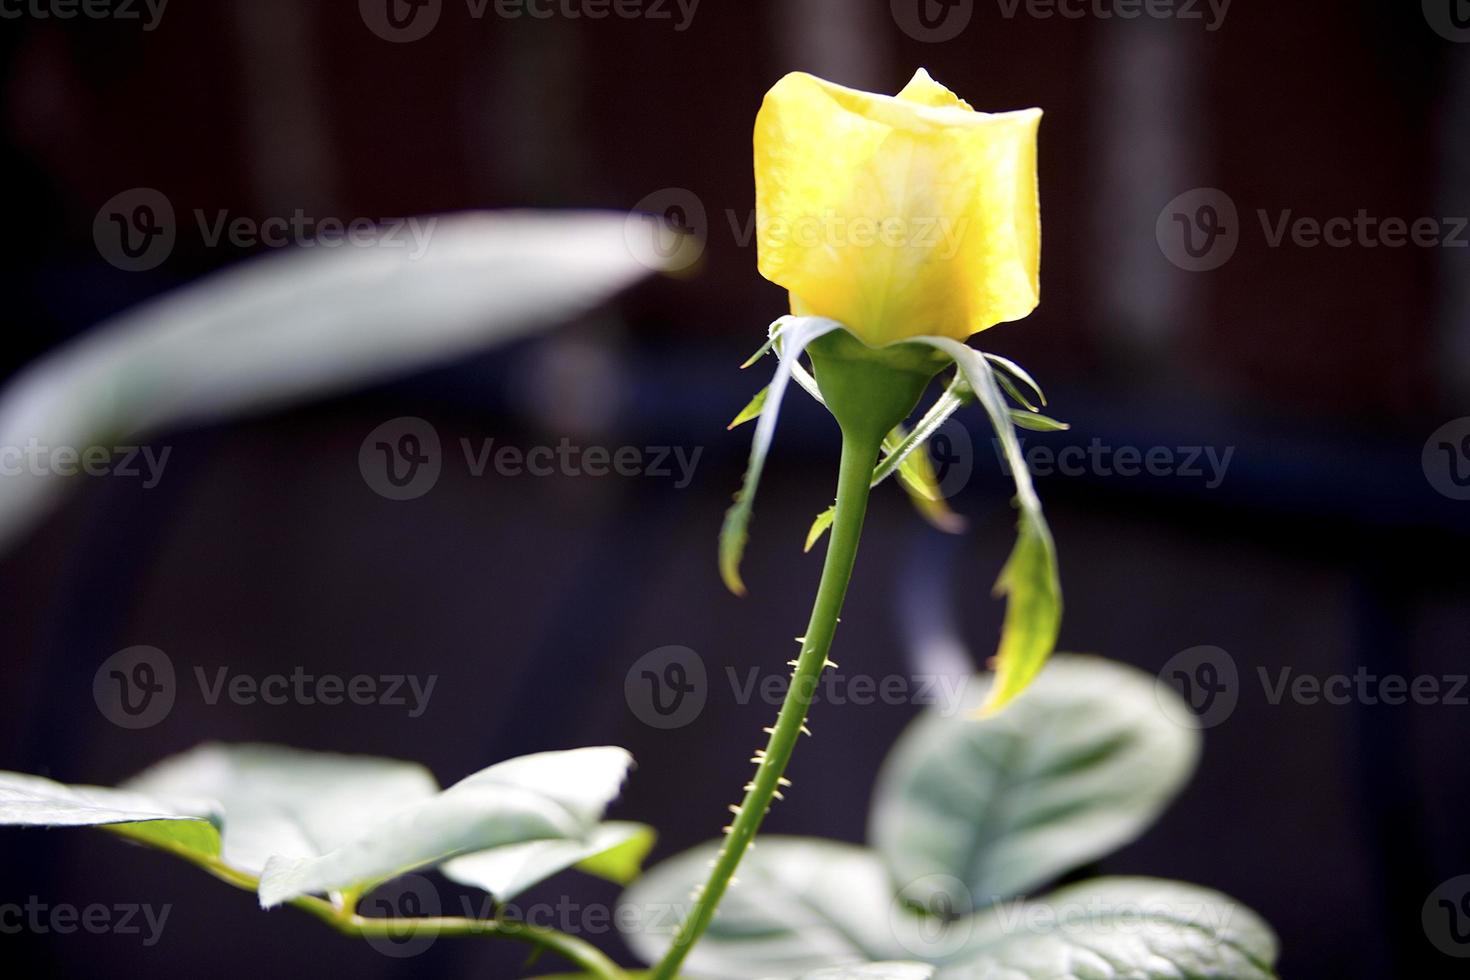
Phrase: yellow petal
pixel 899 216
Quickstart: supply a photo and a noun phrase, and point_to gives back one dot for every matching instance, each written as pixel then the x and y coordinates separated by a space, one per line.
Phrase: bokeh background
pixel 1332 542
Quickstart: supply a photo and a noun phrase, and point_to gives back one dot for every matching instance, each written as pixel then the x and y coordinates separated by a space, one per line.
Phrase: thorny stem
pixel 859 453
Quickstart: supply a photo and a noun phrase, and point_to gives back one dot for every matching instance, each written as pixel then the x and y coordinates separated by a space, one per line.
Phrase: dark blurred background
pixel 1332 541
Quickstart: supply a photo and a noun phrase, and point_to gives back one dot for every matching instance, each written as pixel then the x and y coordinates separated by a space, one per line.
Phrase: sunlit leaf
pixel 1029 579
pixel 614 851
pixel 1082 762
pixel 546 796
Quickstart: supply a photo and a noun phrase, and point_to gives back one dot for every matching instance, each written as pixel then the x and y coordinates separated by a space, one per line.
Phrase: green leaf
pixel 189 826
pixel 752 410
pixel 546 796
pixel 796 333
pixel 1037 422
pixel 819 527
pixel 1010 369
pixel 800 904
pixel 279 801
pixel 614 851
pixel 1139 928
pixel 969 812
pixel 1029 579
pixel 305 323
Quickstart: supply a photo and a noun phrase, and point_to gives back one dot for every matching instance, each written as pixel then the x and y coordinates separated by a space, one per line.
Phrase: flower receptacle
pixel 869 390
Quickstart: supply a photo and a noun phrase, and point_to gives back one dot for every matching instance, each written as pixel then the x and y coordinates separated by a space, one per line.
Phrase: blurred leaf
pixel 969 812
pixel 1139 928
pixel 872 971
pixel 801 904
pixel 1029 579
pixel 307 323
pixel 614 851
pixel 546 796
pixel 186 826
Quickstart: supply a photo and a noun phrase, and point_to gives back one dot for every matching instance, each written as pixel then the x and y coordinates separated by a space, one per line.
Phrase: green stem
pixel 859 454
pixel 586 956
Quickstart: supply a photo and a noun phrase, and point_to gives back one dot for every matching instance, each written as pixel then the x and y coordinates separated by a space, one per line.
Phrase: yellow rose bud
pixel 899 216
